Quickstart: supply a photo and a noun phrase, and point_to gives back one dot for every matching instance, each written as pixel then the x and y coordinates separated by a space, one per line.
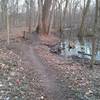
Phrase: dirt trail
pixel 52 88
pixel 47 75
pixel 53 85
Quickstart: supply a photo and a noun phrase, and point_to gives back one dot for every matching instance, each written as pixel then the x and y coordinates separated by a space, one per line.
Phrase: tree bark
pixel 8 28
pixel 52 16
pixel 94 38
pixel 45 13
pixel 81 31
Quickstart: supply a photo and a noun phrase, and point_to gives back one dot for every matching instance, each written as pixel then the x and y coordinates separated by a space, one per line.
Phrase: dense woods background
pixel 66 18
pixel 45 15
pixel 49 49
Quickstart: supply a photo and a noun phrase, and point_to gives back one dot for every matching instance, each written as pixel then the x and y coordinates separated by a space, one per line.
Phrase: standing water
pixel 78 48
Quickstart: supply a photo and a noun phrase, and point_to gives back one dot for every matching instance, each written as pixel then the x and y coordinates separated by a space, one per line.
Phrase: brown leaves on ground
pixel 16 82
pixel 76 76
pixel 60 64
pixel 48 39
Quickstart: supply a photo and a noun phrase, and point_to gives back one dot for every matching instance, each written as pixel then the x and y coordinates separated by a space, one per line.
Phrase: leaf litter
pixel 14 81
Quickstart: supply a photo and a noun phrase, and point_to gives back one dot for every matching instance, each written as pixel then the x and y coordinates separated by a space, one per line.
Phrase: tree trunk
pixel 8 28
pixel 81 31
pixel 39 23
pixel 45 13
pixel 52 16
pixel 94 39
pixel 64 12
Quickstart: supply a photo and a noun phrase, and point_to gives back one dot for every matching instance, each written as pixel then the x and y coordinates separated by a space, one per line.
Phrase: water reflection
pixel 87 50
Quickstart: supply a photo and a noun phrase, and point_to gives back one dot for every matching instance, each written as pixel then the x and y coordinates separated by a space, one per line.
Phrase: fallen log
pixel 83 53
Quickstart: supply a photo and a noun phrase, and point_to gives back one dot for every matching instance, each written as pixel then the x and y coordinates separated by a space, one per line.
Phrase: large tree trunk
pixel 64 12
pixel 94 39
pixel 8 27
pixel 81 31
pixel 98 14
pixel 3 4
pixel 45 14
pixel 29 15
pixel 52 16
pixel 39 22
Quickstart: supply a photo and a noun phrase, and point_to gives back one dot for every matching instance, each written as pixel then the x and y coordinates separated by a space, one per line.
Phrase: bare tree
pixel 8 27
pixel 45 13
pixel 81 31
pixel 94 38
pixel 4 13
pixel 52 15
pixel 39 22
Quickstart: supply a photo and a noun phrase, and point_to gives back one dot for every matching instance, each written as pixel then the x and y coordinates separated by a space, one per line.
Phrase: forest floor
pixel 28 71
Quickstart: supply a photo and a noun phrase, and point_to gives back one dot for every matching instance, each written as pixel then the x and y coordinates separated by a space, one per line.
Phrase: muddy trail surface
pixel 53 87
